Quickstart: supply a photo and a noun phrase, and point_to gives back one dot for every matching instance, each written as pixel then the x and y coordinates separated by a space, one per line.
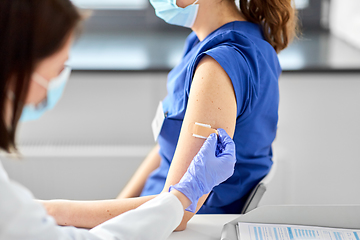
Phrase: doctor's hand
pixel 213 164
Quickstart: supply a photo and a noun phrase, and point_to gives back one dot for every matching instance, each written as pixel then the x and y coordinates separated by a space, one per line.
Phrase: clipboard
pixel 335 216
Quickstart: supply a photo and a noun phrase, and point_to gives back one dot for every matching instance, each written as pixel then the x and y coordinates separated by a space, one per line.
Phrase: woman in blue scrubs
pixel 227 78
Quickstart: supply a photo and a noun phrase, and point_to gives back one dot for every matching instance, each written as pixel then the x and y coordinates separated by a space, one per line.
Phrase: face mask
pixel 55 89
pixel 172 14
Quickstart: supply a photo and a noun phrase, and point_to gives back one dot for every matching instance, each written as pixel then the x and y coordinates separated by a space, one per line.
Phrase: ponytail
pixel 278 18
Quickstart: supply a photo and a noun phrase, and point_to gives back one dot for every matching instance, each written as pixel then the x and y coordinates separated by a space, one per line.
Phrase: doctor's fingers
pixel 226 142
pixel 209 146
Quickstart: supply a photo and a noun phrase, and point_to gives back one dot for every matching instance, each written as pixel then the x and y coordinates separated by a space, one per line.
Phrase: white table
pixel 209 227
pixel 204 227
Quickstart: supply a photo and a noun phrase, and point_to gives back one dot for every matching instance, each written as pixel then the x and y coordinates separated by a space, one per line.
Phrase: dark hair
pixel 30 31
pixel 278 18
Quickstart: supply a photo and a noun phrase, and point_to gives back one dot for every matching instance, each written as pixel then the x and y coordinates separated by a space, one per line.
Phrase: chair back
pixel 257 193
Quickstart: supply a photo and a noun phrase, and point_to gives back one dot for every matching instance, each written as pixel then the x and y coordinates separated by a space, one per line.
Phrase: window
pixel 112 4
pixel 302 4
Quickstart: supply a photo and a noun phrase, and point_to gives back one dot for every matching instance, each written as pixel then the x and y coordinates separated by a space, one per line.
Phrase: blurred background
pixel 89 146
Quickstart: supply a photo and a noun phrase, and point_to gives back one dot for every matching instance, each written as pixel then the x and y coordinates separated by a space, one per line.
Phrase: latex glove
pixel 213 164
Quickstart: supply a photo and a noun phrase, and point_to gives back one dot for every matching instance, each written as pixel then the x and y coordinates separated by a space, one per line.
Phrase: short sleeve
pixel 235 65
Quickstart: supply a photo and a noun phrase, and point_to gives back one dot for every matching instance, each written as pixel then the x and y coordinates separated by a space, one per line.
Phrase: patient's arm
pixel 88 214
pixel 211 101
pixel 137 182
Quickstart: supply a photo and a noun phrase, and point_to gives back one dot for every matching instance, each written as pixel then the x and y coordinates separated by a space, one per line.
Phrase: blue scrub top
pixel 253 67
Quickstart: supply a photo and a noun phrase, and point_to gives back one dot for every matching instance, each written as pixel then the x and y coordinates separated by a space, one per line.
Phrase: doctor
pixel 35 39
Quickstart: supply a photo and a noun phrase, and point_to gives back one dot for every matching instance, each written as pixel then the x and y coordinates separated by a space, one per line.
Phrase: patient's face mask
pixel 171 13
pixel 55 89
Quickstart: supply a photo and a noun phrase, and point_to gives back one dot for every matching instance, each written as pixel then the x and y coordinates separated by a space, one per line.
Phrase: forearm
pixel 88 214
pixel 155 219
pixel 188 215
pixel 136 184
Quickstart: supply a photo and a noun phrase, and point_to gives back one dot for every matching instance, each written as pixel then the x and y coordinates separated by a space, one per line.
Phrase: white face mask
pixel 55 89
pixel 173 14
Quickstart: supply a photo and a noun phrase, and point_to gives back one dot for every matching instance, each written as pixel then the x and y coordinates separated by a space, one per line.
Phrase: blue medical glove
pixel 211 166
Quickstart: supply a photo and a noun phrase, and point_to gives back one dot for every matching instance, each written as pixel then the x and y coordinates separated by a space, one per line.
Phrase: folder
pixel 335 216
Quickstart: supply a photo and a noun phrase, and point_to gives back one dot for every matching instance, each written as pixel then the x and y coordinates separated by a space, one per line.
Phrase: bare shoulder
pixel 208 69
pixel 212 95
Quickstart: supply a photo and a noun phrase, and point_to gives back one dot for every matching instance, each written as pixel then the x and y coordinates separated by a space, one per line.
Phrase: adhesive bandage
pixel 201 130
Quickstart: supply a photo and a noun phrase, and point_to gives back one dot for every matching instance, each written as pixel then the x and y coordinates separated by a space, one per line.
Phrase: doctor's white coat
pixel 23 218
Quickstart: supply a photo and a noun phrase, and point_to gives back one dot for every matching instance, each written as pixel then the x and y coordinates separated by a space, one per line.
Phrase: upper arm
pixel 211 101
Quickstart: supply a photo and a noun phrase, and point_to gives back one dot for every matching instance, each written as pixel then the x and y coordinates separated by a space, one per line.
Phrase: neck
pixel 214 14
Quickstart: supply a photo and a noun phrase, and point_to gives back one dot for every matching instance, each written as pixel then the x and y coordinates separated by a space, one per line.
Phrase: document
pixel 255 231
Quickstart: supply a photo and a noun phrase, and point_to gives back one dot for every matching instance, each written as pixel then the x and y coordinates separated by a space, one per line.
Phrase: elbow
pixel 181 227
pixel 184 222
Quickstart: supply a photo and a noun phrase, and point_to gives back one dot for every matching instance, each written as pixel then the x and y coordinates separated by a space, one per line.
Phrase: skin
pixel 87 214
pixel 49 68
pixel 211 101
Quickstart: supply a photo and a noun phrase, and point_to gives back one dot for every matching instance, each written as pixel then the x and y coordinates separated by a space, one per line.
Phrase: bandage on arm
pixel 201 130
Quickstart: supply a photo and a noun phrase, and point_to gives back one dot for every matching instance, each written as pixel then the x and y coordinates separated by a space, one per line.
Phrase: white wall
pixel 317 147
pixel 92 142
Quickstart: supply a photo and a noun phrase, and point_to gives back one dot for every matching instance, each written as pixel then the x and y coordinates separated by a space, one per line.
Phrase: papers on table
pixel 255 231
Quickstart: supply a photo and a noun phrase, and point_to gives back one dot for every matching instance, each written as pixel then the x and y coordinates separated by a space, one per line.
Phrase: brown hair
pixel 30 31
pixel 278 18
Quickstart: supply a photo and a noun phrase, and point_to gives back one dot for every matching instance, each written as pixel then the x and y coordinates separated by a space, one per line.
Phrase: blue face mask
pixel 55 90
pixel 172 14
